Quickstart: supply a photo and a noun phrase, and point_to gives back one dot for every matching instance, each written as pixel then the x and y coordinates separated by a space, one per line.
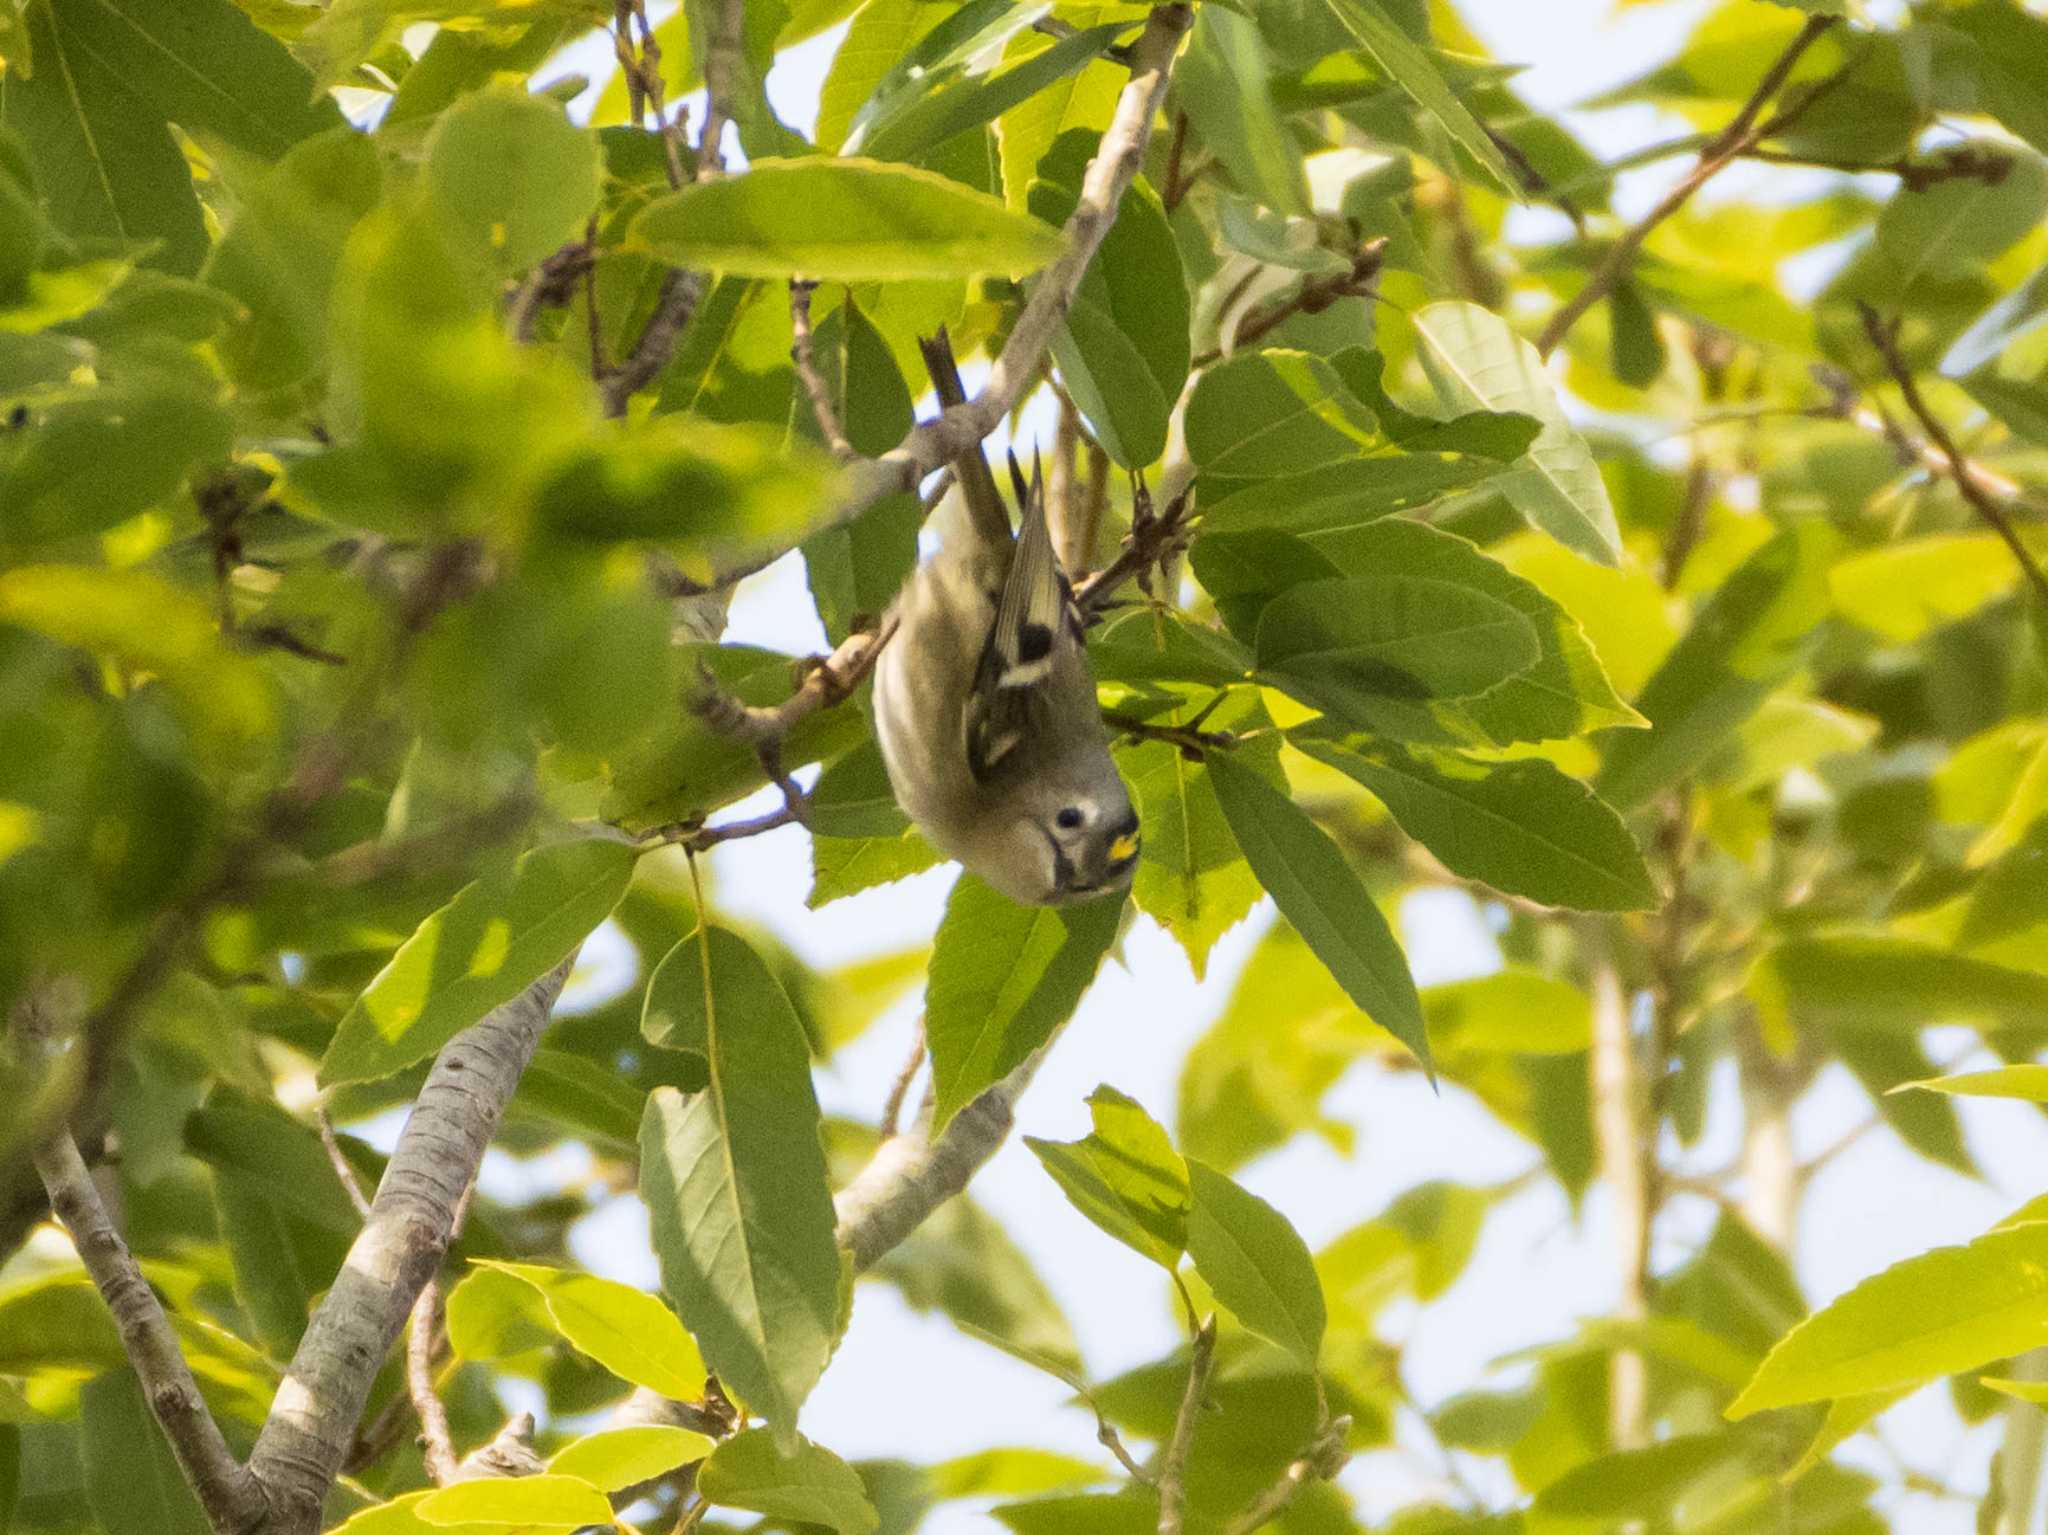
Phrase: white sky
pixel 909 1386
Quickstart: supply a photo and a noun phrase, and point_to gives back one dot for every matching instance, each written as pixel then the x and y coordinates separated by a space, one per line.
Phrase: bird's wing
pixel 1035 617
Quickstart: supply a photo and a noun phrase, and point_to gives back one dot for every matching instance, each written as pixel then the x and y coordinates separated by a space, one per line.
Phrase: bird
pixel 985 705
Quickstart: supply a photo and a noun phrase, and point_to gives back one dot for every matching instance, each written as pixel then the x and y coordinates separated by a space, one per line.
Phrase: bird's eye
pixel 1068 819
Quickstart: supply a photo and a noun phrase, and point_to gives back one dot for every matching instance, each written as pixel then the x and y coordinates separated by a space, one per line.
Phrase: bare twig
pixel 803 354
pixel 231 1497
pixel 1743 133
pixel 1192 742
pixel 828 681
pixel 892 1107
pixel 1173 1466
pixel 1967 479
pixel 1313 296
pixel 1956 162
pixel 724 61
pixel 1321 1461
pixel 344 1169
pixel 1154 537
pixel 1107 1436
pixel 422 1337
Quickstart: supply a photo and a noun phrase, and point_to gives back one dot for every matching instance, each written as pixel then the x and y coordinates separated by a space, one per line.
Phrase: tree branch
pixel 1618 1133
pixel 1173 1466
pixel 1321 1461
pixel 960 429
pixel 231 1497
pixel 1741 135
pixel 803 355
pixel 1968 478
pixel 411 1222
pixel 911 1175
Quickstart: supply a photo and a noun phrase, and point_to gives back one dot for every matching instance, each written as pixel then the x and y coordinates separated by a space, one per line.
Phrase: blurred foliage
pixel 352 593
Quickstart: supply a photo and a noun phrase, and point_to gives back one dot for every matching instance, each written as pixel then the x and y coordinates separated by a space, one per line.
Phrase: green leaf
pixel 542 1501
pixel 134 1484
pixel 1317 891
pixel 1125 1177
pixel 1223 83
pixel 1255 1262
pixel 481 950
pixel 1903 589
pixel 1084 100
pixel 1960 224
pixel 843 866
pixel 1123 354
pixel 807 1483
pixel 1522 827
pixel 578 1094
pixel 1192 879
pixel 510 176
pixel 1409 67
pixel 1274 413
pixel 618 1458
pixel 920 126
pixel 1883 1060
pixel 734 1177
pixel 628 1331
pixel 844 220
pixel 1758 629
pixel 856 571
pixel 1565 693
pixel 1478 363
pixel 1347 493
pixel 1876 983
pixel 93 457
pixel 1639 1484
pixel 278 257
pixel 1953 1309
pixel 1344 644
pixel 1519 1012
pixel 1003 978
pixel 493 1314
pixel 112 76
pixel 2025 1082
pixel 147 625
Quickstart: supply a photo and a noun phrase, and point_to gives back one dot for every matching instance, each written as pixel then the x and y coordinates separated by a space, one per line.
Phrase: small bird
pixel 985 705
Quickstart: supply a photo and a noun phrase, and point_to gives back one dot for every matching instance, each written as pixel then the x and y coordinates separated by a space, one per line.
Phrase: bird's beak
pixel 1125 847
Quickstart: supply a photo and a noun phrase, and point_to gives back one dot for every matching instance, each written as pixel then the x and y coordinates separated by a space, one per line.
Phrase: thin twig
pixel 1173 1466
pixel 1313 296
pixel 1959 468
pixel 1154 537
pixel 1321 1461
pixel 1191 742
pixel 338 1159
pixel 422 1337
pixel 1107 1436
pixel 892 1106
pixel 803 354
pixel 1958 162
pixel 231 1497
pixel 1744 132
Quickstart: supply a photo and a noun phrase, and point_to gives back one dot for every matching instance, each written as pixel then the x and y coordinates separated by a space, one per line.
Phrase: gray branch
pixel 313 1418
pixel 230 1496
pixel 961 429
